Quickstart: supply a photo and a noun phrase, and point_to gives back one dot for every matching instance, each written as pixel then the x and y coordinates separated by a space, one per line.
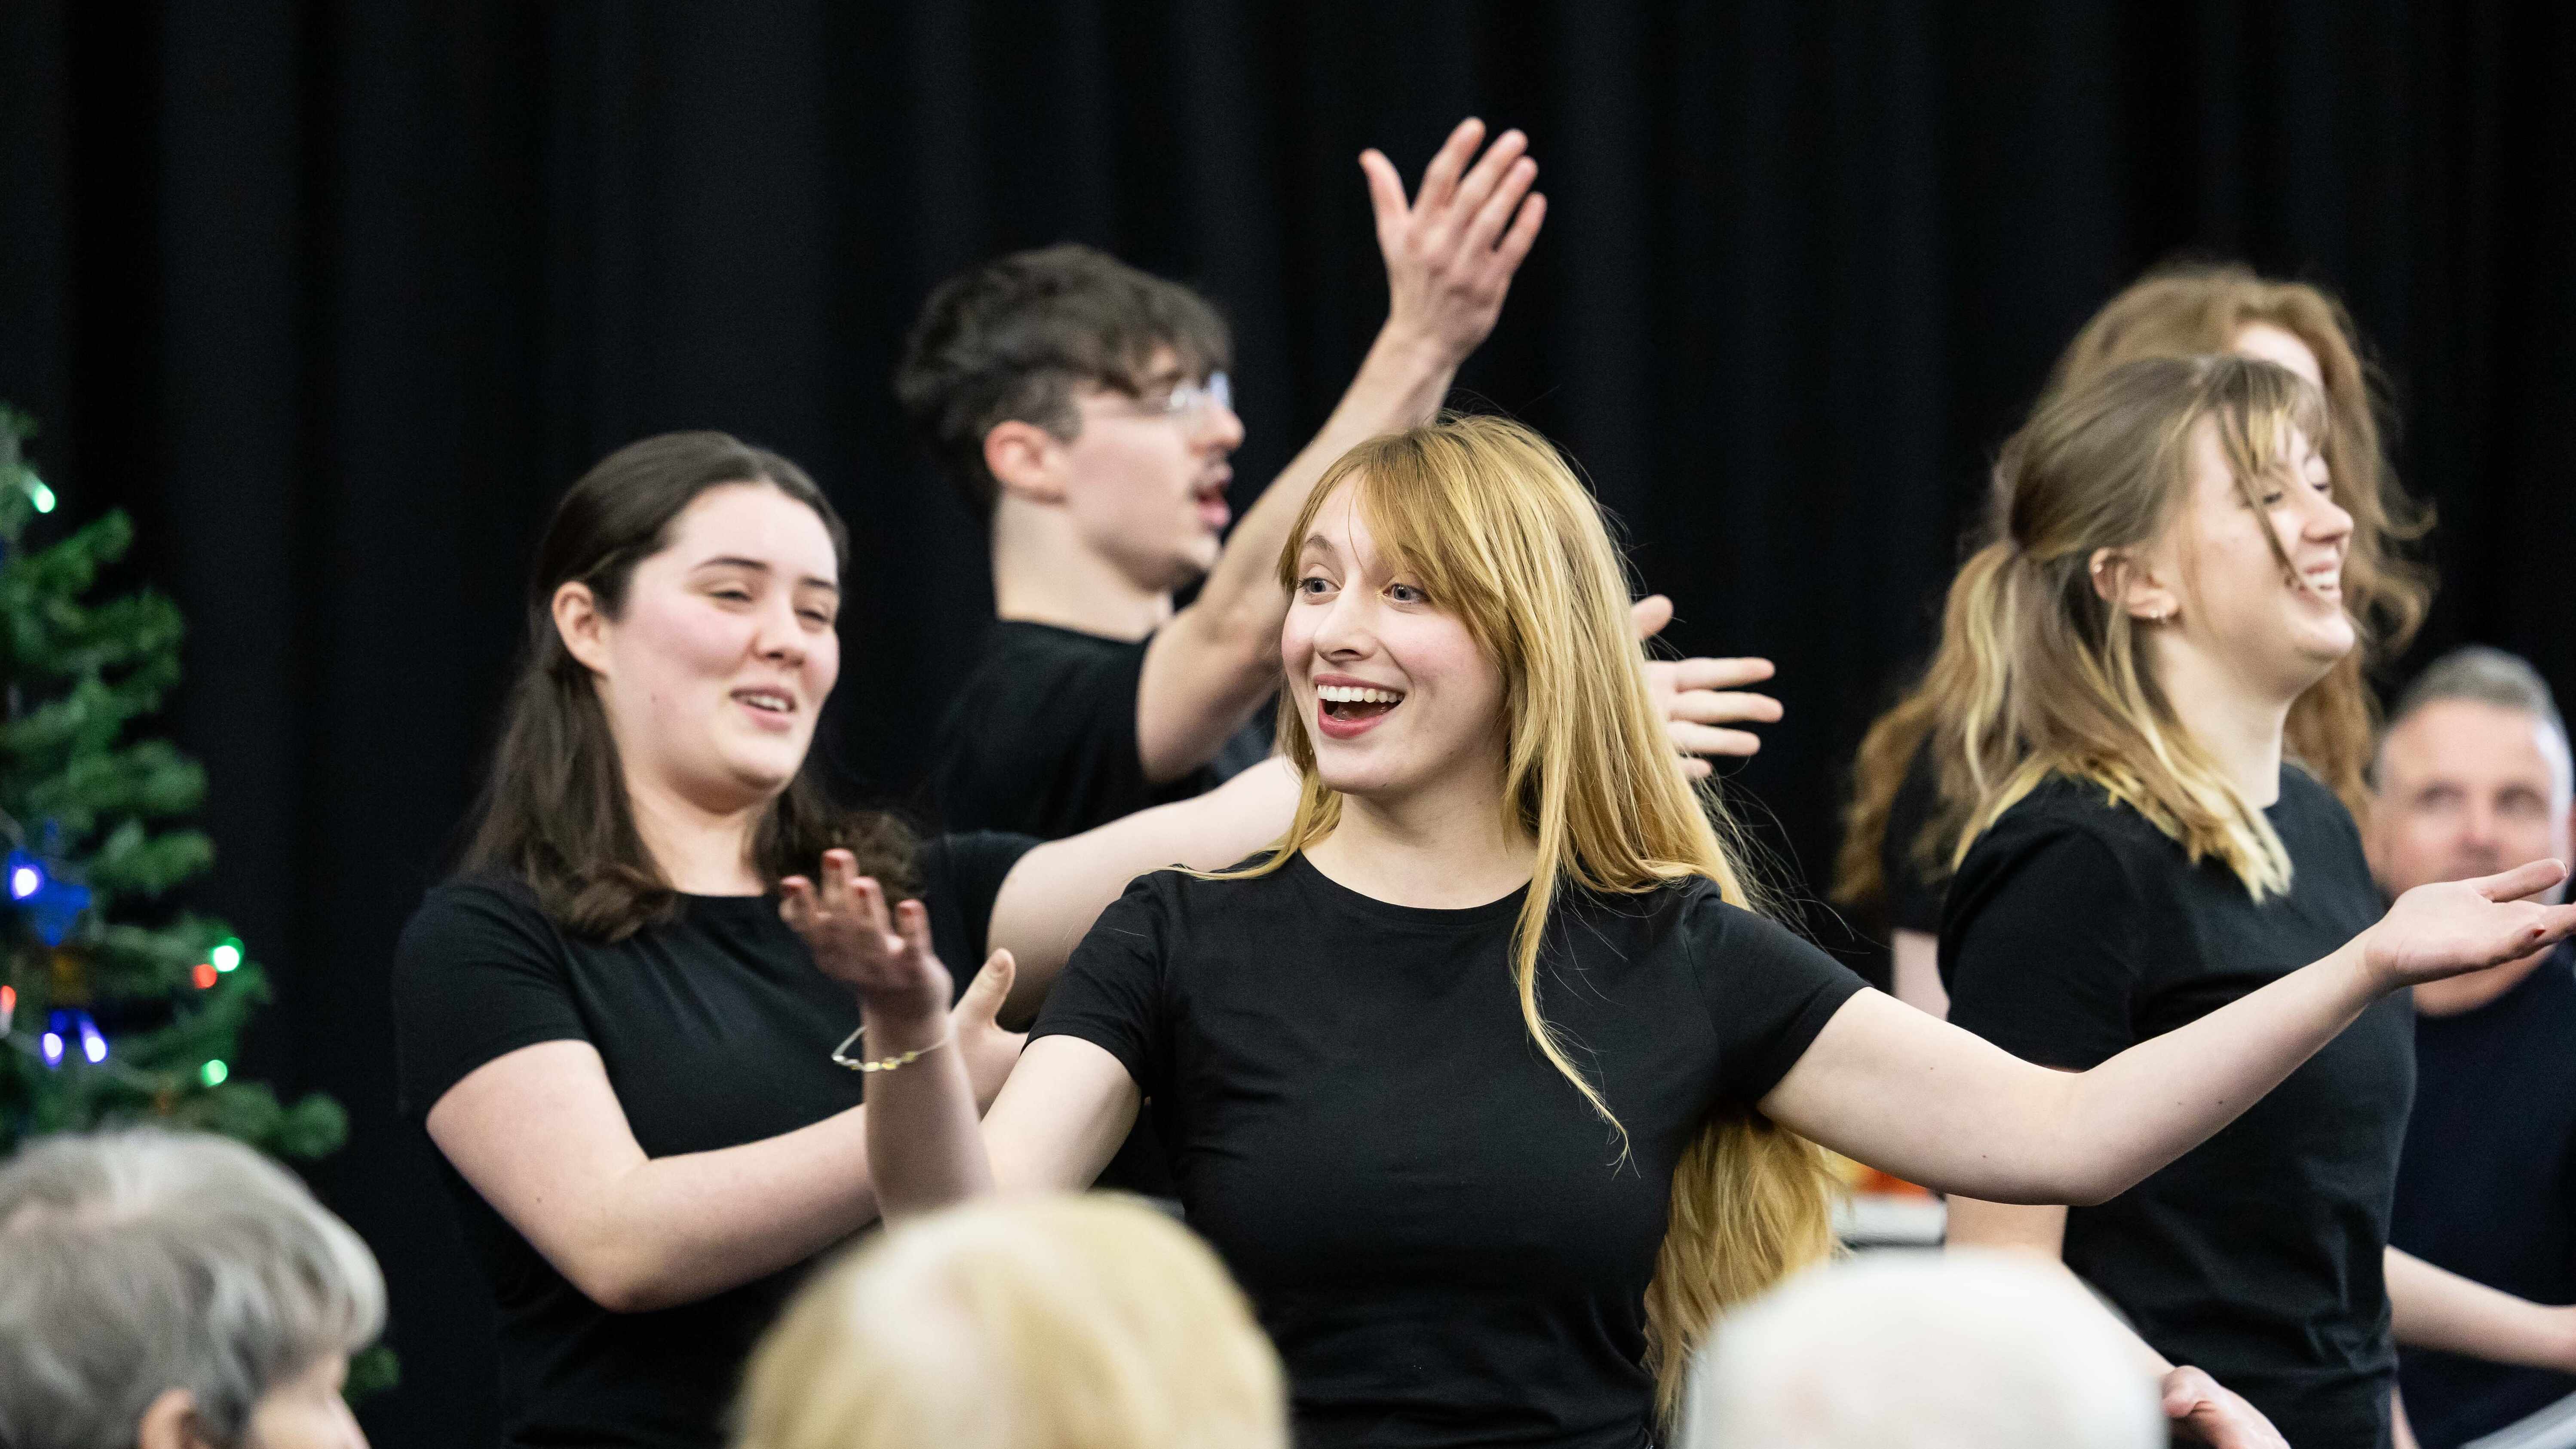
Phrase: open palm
pixel 2466 925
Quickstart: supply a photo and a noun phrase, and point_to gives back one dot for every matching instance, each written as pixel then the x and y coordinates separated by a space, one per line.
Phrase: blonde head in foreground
pixel 1021 1323
pixel 1923 1351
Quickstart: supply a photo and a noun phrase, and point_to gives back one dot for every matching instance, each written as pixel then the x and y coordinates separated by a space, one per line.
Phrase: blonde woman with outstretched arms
pixel 1489 1083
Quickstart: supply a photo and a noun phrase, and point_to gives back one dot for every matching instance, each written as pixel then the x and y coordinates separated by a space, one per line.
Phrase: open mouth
pixel 775 702
pixel 1354 707
pixel 1214 511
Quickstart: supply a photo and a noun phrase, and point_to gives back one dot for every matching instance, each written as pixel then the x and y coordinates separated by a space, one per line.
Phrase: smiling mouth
pixel 1355 704
pixel 767 701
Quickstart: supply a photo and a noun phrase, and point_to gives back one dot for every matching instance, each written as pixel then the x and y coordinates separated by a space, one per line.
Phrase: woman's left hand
pixel 2454 927
pixel 1697 697
pixel 888 962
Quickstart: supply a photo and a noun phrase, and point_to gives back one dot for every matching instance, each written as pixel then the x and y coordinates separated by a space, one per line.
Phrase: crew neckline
pixel 1504 907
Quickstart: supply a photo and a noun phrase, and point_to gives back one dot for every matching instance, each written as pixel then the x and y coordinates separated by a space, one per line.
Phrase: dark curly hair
pixel 1010 339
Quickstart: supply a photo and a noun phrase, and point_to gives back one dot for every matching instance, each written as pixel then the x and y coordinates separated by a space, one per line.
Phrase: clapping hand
pixel 889 963
pixel 1449 256
pixel 1697 696
pixel 887 958
pixel 2460 926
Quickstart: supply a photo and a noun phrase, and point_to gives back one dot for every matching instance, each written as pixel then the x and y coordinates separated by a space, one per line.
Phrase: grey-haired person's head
pixel 2483 674
pixel 143 1262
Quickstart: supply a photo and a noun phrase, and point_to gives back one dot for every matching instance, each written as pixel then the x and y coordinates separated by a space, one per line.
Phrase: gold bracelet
pixel 841 1056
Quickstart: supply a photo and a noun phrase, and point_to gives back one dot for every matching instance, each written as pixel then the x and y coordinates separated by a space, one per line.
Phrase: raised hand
pixel 889 962
pixel 2465 925
pixel 1698 696
pixel 2202 1410
pixel 1451 251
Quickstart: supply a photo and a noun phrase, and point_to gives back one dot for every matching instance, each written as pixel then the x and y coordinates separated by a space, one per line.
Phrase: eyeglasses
pixel 1186 402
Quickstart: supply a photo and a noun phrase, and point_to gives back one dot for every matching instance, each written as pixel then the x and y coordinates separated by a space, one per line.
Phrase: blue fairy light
pixel 51 902
pixel 70 1024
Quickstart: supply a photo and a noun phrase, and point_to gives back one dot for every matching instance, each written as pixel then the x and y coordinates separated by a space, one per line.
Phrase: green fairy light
pixel 39 494
pixel 215 1072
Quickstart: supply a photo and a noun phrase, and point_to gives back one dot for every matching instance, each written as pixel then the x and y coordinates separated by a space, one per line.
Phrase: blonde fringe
pixel 1505 537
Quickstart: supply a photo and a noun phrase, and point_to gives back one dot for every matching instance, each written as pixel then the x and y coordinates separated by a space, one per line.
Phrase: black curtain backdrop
pixel 336 298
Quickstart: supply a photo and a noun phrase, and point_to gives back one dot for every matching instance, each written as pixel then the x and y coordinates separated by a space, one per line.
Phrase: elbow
pixel 623 1282
pixel 2092 1190
pixel 2089 1176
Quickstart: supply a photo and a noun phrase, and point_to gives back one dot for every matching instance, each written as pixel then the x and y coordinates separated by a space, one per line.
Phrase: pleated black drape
pixel 335 298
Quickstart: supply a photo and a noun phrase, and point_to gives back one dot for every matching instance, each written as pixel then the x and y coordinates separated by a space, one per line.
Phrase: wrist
pixel 901 1024
pixel 2369 979
pixel 1406 350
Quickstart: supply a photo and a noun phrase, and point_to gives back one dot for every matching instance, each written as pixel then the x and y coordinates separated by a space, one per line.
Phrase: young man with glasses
pixel 1082 407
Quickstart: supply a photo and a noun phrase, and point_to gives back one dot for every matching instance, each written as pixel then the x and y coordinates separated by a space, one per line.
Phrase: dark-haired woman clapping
pixel 628 1063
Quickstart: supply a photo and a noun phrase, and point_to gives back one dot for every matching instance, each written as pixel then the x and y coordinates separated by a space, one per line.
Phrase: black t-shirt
pixel 1042 738
pixel 716 1030
pixel 2073 930
pixel 1435 1228
pixel 2487 1187
pixel 1914 887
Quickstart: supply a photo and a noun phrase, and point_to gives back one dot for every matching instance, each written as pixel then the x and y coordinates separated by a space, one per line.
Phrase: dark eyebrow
pixel 756 566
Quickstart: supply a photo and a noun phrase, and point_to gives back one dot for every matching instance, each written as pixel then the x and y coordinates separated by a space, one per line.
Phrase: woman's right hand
pixel 889 963
pixel 2455 927
pixel 2203 1409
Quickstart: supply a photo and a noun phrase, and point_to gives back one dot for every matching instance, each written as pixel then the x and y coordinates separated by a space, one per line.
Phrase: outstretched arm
pixel 1890 1086
pixel 1049 900
pixel 1450 255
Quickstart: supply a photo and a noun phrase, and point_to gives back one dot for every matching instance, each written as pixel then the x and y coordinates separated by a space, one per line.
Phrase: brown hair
pixel 2038 674
pixel 1504 537
pixel 2185 310
pixel 1009 340
pixel 554 811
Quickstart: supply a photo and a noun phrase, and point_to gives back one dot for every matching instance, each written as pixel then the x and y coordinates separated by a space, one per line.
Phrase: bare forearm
pixel 677 1229
pixel 2438 1309
pixel 924 1149
pixel 2164 1096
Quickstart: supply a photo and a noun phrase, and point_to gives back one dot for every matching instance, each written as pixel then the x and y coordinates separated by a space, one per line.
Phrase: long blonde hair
pixel 2038 673
pixel 1497 529
pixel 1023 1323
pixel 2180 311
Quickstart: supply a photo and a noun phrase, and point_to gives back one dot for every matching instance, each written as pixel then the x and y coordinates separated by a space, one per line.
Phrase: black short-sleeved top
pixel 2487 1187
pixel 716 1030
pixel 1042 738
pixel 2073 930
pixel 1433 1225
pixel 1914 887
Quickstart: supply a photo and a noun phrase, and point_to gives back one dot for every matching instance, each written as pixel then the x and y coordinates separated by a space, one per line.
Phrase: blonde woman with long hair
pixel 1490 1082
pixel 2145 847
pixel 1912 791
pixel 1035 1323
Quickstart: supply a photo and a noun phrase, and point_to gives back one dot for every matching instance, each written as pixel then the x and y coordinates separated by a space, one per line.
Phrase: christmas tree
pixel 115 1008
